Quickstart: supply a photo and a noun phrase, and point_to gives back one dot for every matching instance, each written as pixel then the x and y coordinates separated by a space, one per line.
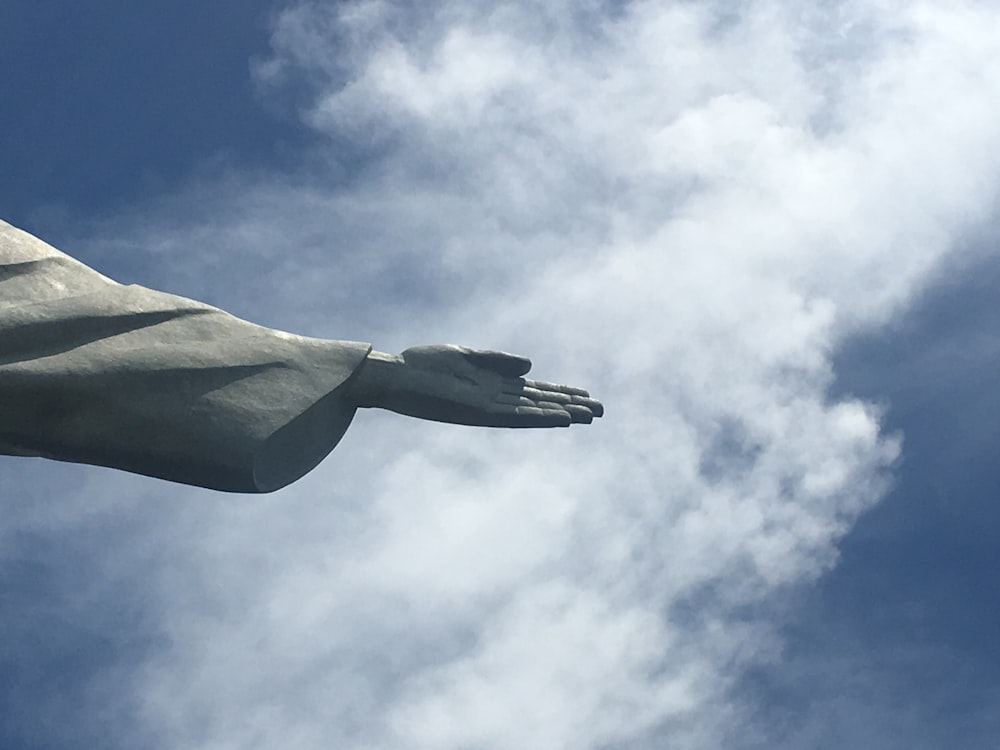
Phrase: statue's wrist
pixel 379 375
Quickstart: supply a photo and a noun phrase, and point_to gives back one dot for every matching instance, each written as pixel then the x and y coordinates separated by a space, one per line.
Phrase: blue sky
pixel 911 603
pixel 766 240
pixel 148 94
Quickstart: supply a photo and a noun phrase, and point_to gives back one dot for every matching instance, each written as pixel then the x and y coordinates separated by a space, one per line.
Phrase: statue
pixel 97 372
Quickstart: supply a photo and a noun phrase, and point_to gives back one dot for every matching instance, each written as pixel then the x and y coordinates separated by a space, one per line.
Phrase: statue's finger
pixel 509 415
pixel 580 414
pixel 596 407
pixel 554 396
pixel 510 365
pixel 543 386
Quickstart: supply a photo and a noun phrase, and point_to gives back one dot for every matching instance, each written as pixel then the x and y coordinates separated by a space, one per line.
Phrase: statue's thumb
pixel 508 365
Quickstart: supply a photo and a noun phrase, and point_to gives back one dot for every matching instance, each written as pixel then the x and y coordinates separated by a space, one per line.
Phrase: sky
pixel 763 233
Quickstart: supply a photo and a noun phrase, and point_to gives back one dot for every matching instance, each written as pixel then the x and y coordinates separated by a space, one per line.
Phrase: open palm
pixel 448 383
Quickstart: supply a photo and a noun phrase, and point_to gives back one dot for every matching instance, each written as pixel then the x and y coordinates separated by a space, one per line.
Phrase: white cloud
pixel 683 208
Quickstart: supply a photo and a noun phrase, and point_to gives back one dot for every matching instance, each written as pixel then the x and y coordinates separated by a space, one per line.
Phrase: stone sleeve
pixel 97 372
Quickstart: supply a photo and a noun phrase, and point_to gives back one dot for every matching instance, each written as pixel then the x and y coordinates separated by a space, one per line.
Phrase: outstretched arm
pixel 447 383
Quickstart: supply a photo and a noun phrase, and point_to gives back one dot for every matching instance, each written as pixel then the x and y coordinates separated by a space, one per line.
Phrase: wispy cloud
pixel 682 206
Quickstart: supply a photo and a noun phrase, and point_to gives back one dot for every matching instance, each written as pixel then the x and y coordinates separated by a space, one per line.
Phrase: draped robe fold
pixel 97 372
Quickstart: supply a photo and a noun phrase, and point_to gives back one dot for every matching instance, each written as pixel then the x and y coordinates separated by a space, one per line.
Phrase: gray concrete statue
pixel 97 372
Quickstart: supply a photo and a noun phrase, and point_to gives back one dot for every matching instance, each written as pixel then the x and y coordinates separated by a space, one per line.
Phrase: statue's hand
pixel 454 384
